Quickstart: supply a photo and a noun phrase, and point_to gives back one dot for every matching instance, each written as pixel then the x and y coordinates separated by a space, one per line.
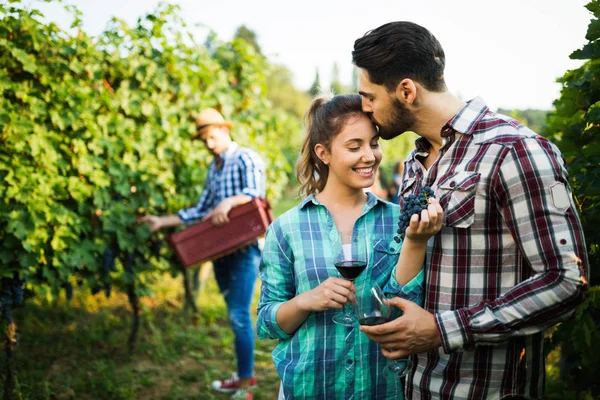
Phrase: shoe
pixel 242 394
pixel 230 385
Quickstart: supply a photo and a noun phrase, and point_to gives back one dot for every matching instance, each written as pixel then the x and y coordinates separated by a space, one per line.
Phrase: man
pixel 510 260
pixel 235 176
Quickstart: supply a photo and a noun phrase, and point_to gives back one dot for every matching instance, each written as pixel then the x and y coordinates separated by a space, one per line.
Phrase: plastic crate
pixel 203 242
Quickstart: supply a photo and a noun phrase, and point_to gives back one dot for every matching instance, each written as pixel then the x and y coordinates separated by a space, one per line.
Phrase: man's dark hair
pixel 400 50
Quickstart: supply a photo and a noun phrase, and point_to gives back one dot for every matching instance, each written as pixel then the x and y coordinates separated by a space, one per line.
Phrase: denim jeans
pixel 236 276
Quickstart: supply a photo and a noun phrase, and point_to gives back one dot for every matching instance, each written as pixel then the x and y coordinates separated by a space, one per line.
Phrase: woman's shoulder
pixel 288 218
pixel 388 207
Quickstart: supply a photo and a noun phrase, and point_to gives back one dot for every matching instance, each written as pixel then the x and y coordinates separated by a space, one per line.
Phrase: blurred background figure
pixel 396 181
pixel 380 188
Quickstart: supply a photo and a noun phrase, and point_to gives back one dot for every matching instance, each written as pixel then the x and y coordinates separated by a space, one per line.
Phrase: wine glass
pixel 350 259
pixel 373 309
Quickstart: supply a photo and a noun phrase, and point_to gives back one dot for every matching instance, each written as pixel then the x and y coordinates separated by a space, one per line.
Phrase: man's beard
pixel 401 120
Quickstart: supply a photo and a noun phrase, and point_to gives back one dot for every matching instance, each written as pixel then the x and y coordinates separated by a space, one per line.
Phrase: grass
pixel 78 350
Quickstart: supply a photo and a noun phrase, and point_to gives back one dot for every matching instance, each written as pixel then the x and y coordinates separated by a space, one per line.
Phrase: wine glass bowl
pixel 373 309
pixel 350 252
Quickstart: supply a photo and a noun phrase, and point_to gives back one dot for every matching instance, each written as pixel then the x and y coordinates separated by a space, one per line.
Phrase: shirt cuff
pixel 271 329
pixel 188 216
pixel 250 192
pixel 412 291
pixel 453 329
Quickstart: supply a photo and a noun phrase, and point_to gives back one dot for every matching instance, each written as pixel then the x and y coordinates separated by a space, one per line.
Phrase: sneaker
pixel 242 394
pixel 230 385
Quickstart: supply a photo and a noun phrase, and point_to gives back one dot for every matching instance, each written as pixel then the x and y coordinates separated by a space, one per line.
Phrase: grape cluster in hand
pixel 413 204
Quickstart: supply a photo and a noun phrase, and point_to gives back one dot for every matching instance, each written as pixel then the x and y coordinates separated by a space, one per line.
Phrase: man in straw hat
pixel 235 176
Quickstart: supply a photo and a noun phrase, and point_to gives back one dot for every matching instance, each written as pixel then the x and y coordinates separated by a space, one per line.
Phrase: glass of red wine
pixel 373 309
pixel 351 256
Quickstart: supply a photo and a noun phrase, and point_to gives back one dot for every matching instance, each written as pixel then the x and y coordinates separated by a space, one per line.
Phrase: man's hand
pixel 219 214
pixel 153 221
pixel 414 332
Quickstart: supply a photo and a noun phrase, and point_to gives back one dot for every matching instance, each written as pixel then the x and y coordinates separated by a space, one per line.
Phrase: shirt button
pixel 348 362
pixel 563 241
pixel 452 184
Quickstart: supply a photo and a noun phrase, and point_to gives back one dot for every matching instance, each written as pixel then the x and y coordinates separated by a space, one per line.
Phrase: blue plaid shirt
pixel 243 172
pixel 322 360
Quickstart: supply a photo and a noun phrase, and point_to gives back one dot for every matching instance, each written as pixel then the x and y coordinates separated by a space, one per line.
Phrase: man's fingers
pixel 399 302
pixel 393 354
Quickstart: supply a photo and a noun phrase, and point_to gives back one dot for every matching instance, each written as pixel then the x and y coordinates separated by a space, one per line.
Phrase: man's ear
pixel 406 91
pixel 322 152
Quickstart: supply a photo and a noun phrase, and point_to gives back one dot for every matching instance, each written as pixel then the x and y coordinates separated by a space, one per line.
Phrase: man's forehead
pixel 214 130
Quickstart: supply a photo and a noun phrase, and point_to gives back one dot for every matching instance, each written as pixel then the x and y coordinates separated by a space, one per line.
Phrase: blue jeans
pixel 236 276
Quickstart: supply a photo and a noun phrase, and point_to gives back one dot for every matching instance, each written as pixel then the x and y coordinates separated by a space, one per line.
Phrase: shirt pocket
pixel 385 258
pixel 457 197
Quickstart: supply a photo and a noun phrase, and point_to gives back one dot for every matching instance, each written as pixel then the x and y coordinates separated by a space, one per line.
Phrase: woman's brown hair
pixel 324 120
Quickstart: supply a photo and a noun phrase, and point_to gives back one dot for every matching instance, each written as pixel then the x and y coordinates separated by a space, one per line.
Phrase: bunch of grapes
pixel 413 204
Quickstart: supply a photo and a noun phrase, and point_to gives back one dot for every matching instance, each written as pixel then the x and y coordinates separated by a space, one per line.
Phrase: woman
pixel 301 289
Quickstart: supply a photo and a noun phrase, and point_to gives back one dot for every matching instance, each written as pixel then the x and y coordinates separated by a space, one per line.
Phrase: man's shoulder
pixel 495 128
pixel 242 152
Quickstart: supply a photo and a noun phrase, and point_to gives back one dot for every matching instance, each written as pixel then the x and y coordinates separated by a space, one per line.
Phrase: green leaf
pixel 593 31
pixel 27 60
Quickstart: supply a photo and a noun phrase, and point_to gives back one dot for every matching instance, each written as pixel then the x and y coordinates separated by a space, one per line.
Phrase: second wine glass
pixel 373 309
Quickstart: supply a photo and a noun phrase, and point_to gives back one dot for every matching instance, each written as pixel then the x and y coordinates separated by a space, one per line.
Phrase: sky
pixel 510 52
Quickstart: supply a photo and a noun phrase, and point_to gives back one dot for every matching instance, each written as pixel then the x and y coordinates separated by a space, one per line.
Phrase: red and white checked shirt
pixel 509 262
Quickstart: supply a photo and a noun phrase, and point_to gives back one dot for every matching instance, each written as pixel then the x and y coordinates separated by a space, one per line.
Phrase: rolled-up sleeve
pixel 413 290
pixel 192 214
pixel 252 174
pixel 276 272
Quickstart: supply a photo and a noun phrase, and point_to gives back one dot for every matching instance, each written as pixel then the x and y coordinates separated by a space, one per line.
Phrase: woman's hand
pixel 333 293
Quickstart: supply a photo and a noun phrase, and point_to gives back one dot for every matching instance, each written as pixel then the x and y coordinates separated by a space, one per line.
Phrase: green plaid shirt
pixel 322 360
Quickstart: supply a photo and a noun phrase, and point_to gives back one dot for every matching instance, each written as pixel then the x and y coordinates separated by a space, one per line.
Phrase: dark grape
pixel 413 204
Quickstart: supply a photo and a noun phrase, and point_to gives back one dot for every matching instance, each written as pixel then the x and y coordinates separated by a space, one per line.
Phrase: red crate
pixel 202 241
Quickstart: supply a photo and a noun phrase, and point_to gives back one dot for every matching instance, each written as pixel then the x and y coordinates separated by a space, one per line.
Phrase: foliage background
pixel 94 132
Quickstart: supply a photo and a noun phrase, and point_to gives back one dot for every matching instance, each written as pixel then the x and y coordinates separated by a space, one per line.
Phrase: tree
pixel 574 126
pixel 336 86
pixel 282 92
pixel 315 88
pixel 354 79
pixel 249 36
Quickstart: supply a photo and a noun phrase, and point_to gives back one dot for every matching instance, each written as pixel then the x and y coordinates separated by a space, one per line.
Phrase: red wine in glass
pixel 373 309
pixel 351 254
pixel 350 269
pixel 376 320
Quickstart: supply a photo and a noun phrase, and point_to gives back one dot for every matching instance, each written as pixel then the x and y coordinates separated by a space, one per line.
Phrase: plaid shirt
pixel 508 263
pixel 322 360
pixel 242 172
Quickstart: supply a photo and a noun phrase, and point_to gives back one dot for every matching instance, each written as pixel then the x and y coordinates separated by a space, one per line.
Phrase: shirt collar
pixel 371 201
pixel 467 118
pixel 227 153
pixel 230 150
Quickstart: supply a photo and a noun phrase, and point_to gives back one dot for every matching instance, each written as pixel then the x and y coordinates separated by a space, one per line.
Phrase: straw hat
pixel 207 118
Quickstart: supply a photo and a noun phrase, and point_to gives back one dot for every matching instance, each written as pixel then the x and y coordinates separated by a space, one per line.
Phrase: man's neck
pixel 434 111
